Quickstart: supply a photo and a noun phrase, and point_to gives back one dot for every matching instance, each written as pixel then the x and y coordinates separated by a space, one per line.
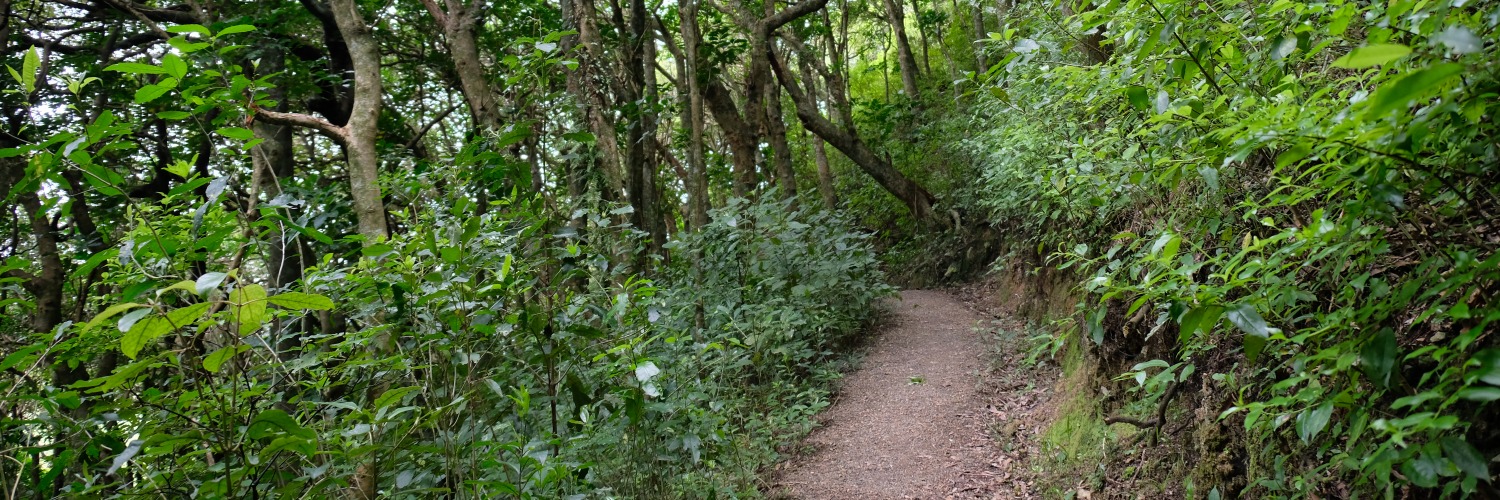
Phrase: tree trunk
pixel 697 181
pixel 916 198
pixel 583 84
pixel 45 287
pixel 650 207
pixel 639 121
pixel 1090 44
pixel 364 121
pixel 743 143
pixel 458 22
pixel 781 152
pixel 759 89
pixel 825 174
pixel 820 153
pixel 916 7
pixel 768 96
pixel 980 64
pixel 273 163
pixel 896 15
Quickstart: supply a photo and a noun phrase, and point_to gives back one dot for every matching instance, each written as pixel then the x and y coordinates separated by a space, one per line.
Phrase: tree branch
pixel 335 132
pixel 422 132
pixel 437 13
pixel 1144 424
pixel 791 13
pixel 168 15
pixel 1155 423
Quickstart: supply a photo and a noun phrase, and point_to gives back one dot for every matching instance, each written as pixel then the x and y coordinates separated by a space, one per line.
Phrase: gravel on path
pixel 911 422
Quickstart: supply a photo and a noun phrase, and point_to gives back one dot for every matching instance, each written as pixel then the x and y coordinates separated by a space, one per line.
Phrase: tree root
pixel 1155 423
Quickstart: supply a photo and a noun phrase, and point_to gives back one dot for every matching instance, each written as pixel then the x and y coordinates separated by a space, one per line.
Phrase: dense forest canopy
pixel 543 248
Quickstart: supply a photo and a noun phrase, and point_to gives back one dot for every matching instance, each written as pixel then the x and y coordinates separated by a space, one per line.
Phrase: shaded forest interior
pixel 588 248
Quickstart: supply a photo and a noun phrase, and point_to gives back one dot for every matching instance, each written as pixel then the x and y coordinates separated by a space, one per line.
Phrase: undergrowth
pixel 1279 214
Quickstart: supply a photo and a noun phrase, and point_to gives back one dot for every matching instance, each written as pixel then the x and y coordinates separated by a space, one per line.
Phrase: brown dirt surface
pixel 930 414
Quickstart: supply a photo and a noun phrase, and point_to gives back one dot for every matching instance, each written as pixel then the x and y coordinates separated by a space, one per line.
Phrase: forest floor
pixel 941 407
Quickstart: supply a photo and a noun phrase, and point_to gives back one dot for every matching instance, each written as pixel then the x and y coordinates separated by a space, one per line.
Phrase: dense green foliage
pixel 1311 186
pixel 500 342
pixel 551 248
pixel 523 360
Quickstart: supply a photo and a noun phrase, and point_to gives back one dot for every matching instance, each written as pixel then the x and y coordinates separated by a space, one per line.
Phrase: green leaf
pixel 236 133
pixel 182 169
pixel 1459 311
pixel 98 177
pixel 1245 317
pixel 16 75
pixel 125 455
pixel 1283 46
pixel 30 64
pixel 1378 357
pixel 94 261
pixel 1166 240
pixel 1201 318
pixel 189 28
pixel 1415 400
pixel 208 281
pixel 1312 421
pixel 20 355
pixel 1412 87
pixel 1372 55
pixel 110 313
pixel 142 333
pixel 278 420
pixel 1423 471
pixel 304 447
pixel 1489 366
pixel 1480 394
pixel 173 115
pixel 1466 458
pixel 185 285
pixel 394 396
pixel 311 233
pixel 376 250
pixel 128 321
pixel 248 307
pixel 1210 177
pixel 238 28
pixel 150 93
pixel 121 376
pixel 298 300
pixel 184 316
pixel 185 46
pixel 583 137
pixel 174 65
pixel 136 68
pixel 1138 97
pixel 215 360
pixel 1292 155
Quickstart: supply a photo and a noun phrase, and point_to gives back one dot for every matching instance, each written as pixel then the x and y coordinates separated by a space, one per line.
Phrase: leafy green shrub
pixel 1320 175
pixel 748 316
pixel 508 353
pixel 785 284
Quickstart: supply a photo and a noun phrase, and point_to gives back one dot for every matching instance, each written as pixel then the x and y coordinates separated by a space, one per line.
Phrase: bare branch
pixel 437 13
pixel 335 132
pixel 792 13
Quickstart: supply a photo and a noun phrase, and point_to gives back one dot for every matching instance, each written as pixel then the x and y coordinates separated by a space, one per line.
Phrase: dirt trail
pixel 912 422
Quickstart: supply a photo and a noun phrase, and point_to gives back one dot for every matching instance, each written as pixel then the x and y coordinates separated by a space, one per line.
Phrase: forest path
pixel 912 422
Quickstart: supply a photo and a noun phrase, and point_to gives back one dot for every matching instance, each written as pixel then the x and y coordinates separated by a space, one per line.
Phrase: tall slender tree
pixel 895 13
